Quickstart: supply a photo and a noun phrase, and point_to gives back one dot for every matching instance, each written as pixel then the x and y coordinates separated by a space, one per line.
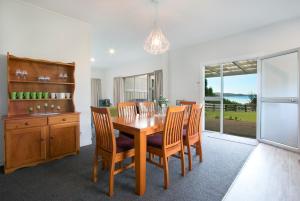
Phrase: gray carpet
pixel 69 178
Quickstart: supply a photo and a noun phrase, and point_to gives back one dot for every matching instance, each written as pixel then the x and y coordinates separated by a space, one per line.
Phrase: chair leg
pixel 182 161
pixel 166 172
pixel 95 168
pixel 197 149
pixel 189 157
pixel 200 151
pixel 111 177
pixel 103 164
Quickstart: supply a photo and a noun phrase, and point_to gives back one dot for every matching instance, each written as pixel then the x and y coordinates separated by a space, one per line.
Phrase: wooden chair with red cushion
pixel 193 132
pixel 170 142
pixel 188 105
pixel 110 149
pixel 127 110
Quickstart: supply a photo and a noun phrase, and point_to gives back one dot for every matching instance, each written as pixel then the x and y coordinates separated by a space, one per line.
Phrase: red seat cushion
pixel 155 140
pixel 124 143
pixel 184 133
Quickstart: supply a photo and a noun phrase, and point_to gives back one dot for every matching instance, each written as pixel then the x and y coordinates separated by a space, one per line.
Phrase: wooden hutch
pixel 41 124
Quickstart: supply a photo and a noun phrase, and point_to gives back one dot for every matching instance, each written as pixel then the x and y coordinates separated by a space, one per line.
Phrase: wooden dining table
pixel 140 127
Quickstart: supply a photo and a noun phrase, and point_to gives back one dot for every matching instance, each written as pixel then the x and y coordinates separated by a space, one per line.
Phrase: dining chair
pixel 169 142
pixel 127 110
pixel 188 105
pixel 146 108
pixel 110 149
pixel 192 134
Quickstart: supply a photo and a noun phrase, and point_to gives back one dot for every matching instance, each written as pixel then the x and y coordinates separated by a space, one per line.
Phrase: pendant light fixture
pixel 156 42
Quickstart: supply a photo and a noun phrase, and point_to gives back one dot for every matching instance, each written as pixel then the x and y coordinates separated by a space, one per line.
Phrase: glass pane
pixel 240 104
pixel 129 88
pixel 151 86
pixel 212 115
pixel 280 76
pixel 280 123
pixel 212 81
pixel 141 87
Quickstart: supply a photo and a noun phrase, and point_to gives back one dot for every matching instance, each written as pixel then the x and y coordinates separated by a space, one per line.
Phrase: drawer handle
pixel 64 119
pixel 26 123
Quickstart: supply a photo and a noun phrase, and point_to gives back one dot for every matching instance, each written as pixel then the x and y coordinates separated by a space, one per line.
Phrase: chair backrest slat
pixel 127 109
pixel 194 123
pixel 105 138
pixel 146 108
pixel 173 127
pixel 188 105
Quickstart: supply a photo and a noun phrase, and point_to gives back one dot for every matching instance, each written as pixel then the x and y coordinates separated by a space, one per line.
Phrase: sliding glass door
pixel 230 98
pixel 279 100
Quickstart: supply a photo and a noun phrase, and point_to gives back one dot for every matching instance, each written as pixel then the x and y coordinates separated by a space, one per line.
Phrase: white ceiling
pixel 124 24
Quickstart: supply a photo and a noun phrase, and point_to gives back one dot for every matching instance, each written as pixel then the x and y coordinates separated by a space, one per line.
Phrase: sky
pixel 238 84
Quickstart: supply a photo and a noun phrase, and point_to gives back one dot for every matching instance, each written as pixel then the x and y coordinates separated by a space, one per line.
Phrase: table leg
pixel 140 145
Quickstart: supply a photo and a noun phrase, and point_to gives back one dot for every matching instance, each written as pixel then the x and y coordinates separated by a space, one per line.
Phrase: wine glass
pixel 18 73
pixel 24 74
pixel 65 76
pixel 61 75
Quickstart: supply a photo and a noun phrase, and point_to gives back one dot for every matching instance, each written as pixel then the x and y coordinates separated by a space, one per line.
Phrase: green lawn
pixel 231 115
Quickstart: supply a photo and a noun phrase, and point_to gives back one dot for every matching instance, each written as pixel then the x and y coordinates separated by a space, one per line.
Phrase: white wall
pixel 97 73
pixel 185 64
pixel 142 66
pixel 30 31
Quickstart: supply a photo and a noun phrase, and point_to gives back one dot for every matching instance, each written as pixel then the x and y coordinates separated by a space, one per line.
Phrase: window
pixel 136 88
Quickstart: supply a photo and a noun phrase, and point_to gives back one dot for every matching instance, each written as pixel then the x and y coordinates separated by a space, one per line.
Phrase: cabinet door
pixel 64 139
pixel 25 146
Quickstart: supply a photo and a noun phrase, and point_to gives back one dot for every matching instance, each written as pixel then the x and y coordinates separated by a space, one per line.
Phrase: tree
pixel 253 99
pixel 208 91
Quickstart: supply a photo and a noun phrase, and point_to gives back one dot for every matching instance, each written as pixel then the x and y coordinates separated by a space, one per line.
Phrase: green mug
pixel 39 95
pixel 20 95
pixel 46 95
pixel 27 95
pixel 33 95
pixel 13 95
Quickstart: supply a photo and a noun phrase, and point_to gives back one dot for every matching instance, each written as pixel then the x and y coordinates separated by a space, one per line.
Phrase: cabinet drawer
pixel 25 123
pixel 68 118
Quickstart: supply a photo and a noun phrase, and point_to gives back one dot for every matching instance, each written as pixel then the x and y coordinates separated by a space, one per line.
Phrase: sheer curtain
pixel 118 90
pixel 158 90
pixel 96 92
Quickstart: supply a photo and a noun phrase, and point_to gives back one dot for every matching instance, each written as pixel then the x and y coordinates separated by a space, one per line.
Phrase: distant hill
pixel 232 94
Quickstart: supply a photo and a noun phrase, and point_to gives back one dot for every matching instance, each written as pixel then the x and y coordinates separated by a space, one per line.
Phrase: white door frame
pixel 258 125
